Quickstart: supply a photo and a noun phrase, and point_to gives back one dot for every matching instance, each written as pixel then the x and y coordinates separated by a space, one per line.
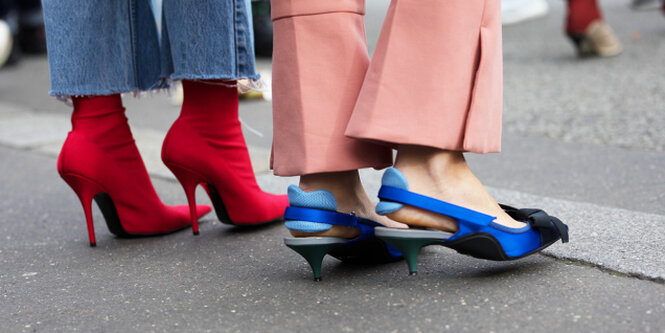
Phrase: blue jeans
pixel 102 47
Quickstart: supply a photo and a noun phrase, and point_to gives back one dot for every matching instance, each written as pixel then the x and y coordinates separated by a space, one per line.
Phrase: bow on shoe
pixel 538 219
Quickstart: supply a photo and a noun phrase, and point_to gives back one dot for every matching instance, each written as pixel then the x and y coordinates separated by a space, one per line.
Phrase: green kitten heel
pixel 409 242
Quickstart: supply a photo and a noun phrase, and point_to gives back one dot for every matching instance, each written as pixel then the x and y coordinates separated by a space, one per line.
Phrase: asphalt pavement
pixel 583 140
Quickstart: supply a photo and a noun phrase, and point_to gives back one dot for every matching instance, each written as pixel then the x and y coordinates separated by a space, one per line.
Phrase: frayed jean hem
pixel 244 84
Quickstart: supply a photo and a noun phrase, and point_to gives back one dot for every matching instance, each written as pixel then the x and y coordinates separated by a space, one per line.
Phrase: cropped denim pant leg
pixel 102 47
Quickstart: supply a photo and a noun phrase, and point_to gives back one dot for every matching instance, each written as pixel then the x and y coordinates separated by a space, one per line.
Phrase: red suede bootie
pixel 588 32
pixel 100 161
pixel 206 146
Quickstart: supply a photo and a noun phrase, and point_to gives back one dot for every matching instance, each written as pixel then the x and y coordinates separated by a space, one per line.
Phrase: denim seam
pixel 242 18
pixel 133 39
pixel 235 35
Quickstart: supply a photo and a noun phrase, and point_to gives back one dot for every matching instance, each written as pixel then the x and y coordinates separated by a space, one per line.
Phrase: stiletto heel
pixel 189 180
pixel 86 191
pixel 205 146
pixel 100 162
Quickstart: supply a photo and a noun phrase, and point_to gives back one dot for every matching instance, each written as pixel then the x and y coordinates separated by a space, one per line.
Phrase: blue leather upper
pixel 515 241
pixel 320 215
pixel 320 200
pixel 317 211
pixel 394 178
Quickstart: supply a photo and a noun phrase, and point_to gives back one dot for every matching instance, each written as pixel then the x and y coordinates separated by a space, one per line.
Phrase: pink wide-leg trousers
pixel 435 80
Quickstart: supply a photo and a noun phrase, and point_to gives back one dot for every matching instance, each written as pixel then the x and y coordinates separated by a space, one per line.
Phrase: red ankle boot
pixel 206 146
pixel 588 32
pixel 100 161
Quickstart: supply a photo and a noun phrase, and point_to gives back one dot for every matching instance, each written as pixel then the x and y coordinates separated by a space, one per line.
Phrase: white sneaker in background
pixel 6 42
pixel 177 94
pixel 515 11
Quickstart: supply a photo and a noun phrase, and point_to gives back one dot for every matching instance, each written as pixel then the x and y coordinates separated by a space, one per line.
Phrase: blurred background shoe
pixel 646 4
pixel 590 34
pixel 21 31
pixel 598 40
pixel 515 11
pixel 6 41
pixel 9 16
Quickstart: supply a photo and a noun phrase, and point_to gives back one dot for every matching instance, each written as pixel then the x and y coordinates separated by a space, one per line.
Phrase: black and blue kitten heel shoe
pixel 315 212
pixel 478 235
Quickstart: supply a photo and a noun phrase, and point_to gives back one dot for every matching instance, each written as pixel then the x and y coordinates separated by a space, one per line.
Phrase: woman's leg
pixel 319 63
pixel 434 89
pixel 208 44
pixel 435 78
pixel 93 47
pixel 208 40
pixel 351 198
pixel 93 56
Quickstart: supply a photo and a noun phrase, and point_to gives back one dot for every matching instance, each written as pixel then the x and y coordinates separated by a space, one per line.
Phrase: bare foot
pixel 351 198
pixel 443 175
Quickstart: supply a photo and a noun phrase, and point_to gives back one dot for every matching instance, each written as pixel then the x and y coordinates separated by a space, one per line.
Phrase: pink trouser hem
pixel 437 84
pixel 289 8
pixel 314 92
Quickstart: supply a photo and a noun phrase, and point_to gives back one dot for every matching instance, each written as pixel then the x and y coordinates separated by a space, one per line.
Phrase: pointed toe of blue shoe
pixel 478 234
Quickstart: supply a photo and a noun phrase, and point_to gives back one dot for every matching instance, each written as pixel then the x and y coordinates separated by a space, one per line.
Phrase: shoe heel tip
pixel 196 233
pixel 93 244
pixel 413 273
pixel 317 279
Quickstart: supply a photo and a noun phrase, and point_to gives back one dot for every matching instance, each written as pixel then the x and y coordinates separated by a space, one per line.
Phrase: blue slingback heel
pixel 478 235
pixel 315 212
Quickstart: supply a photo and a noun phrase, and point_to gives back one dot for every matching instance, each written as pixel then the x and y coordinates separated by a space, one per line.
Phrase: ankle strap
pixel 399 195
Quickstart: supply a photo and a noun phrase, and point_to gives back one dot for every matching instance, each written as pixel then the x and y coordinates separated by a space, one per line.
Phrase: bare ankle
pixel 331 181
pixel 431 167
pixel 350 195
pixel 345 186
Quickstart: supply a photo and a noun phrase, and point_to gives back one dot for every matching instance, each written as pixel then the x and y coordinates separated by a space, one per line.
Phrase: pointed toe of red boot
pixel 202 210
pixel 269 210
pixel 184 217
pixel 281 201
